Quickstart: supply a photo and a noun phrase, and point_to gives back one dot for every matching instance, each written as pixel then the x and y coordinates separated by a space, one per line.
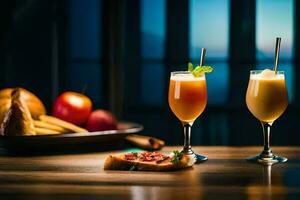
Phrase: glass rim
pixel 257 71
pixel 174 73
pixel 180 72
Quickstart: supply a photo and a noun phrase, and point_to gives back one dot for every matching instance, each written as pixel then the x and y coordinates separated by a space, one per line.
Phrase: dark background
pixel 52 46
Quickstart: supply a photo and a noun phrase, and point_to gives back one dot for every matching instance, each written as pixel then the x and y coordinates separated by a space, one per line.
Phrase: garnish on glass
pixel 200 69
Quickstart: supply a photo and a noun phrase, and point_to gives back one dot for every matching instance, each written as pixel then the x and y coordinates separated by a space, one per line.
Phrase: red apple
pixel 73 107
pixel 101 120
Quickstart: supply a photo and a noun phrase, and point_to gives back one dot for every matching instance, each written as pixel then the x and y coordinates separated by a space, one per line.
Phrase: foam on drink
pixel 186 77
pixel 267 74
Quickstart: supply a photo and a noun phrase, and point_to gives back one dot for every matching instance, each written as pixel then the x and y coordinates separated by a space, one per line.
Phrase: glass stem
pixel 267 153
pixel 187 128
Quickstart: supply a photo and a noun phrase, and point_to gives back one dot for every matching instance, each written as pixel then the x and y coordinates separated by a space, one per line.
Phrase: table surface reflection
pixel 226 175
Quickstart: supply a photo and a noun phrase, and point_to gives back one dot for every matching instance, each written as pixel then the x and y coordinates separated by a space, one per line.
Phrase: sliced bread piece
pixel 148 161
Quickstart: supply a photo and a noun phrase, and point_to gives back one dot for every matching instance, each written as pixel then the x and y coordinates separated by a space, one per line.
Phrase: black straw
pixel 277 51
pixel 202 57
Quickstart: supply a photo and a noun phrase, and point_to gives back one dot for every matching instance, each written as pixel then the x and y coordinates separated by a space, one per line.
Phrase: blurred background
pixel 124 51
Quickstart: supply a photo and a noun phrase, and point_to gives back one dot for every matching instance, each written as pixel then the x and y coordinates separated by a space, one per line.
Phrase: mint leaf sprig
pixel 133 168
pixel 199 70
pixel 177 157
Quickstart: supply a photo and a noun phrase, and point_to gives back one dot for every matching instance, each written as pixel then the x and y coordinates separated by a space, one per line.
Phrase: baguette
pixel 151 162
pixel 62 123
pixel 45 126
pixel 145 142
pixel 45 131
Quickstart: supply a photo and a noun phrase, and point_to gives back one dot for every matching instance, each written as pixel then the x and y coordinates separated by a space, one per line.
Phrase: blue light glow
pixel 209 28
pixel 153 28
pixel 218 84
pixel 274 19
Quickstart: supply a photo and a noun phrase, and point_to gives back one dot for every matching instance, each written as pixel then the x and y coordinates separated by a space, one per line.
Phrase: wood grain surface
pixel 226 175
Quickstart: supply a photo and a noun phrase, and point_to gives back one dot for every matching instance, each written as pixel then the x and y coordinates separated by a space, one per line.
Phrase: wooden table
pixel 226 175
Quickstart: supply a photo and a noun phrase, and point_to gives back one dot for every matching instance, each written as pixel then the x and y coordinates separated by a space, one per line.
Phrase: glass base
pixel 198 158
pixel 267 160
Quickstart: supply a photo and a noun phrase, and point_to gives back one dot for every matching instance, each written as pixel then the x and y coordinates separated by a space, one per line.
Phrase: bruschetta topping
pixel 146 156
pixel 130 156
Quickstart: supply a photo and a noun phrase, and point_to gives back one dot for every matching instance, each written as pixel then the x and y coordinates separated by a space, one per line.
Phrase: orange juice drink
pixel 187 96
pixel 266 96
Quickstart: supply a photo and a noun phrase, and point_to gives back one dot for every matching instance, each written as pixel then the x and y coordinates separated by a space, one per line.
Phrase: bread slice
pixel 135 163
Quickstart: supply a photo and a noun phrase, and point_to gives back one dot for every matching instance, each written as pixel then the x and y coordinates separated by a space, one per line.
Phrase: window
pixel 267 13
pixel 85 53
pixel 209 26
pixel 209 18
pixel 274 19
pixel 153 51
pixel 153 28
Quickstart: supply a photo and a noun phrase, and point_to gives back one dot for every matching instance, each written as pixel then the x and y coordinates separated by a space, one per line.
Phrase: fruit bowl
pixel 70 140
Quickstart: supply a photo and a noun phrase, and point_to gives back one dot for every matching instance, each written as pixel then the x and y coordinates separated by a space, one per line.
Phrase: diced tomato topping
pixel 151 156
pixel 146 156
pixel 130 156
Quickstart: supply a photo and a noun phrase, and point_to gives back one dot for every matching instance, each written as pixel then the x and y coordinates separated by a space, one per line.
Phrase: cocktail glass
pixel 267 99
pixel 187 100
